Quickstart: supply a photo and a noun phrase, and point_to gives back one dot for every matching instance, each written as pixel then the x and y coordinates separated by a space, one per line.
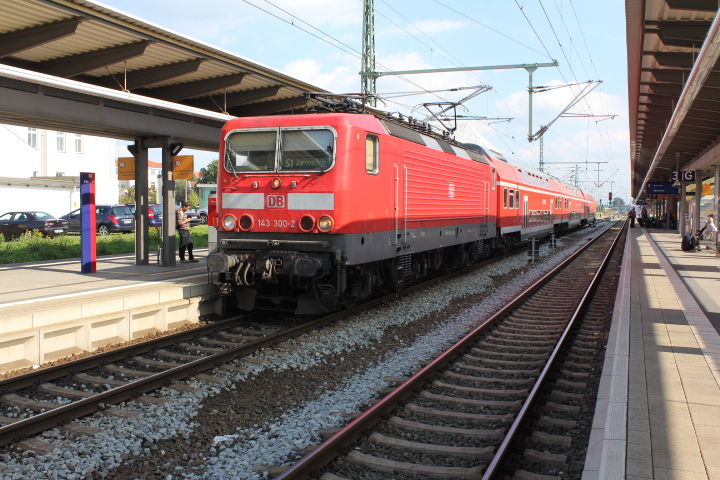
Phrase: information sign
pixel 88 250
pixel 126 168
pixel 654 188
pixel 183 166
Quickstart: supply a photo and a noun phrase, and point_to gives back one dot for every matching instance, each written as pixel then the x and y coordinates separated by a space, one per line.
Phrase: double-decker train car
pixel 315 211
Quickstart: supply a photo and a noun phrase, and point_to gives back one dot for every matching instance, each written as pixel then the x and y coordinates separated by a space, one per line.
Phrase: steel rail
pixel 51 418
pixel 329 449
pixel 502 451
pixel 51 373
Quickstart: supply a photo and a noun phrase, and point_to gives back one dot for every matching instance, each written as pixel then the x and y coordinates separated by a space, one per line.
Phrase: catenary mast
pixel 368 76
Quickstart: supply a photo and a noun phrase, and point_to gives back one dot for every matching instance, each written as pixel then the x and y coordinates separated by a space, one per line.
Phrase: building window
pixel 78 143
pixel 32 138
pixel 60 141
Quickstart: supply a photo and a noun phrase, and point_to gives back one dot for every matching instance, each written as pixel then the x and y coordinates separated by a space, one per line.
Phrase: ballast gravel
pixel 266 417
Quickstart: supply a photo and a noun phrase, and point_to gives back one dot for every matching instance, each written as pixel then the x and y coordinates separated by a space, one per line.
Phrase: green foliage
pixel 210 173
pixel 129 196
pixel 35 247
pixel 193 199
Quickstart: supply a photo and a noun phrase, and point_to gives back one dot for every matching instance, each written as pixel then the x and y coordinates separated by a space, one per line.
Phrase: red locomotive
pixel 315 211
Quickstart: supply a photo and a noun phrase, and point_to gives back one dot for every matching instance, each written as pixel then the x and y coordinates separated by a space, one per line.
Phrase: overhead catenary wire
pixel 442 53
pixel 339 44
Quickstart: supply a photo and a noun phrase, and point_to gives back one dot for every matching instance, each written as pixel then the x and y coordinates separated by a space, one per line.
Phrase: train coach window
pixel 517 198
pixel 251 151
pixel 505 196
pixel 511 203
pixel 371 154
pixel 308 150
pixel 494 179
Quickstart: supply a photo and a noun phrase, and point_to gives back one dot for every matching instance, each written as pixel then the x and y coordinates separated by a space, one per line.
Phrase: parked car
pixel 108 218
pixel 16 224
pixel 154 214
pixel 194 217
pixel 203 213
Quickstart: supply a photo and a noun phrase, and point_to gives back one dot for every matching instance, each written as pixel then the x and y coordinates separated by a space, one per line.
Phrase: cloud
pixel 342 79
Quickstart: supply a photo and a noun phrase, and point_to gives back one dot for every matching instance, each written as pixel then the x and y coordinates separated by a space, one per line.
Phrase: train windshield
pixel 310 150
pixel 306 150
pixel 251 151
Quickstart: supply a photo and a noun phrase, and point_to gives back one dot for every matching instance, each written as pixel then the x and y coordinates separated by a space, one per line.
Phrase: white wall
pixel 20 160
pixel 55 201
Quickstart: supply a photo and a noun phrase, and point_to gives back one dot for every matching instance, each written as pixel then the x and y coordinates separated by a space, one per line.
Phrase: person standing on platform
pixel 643 217
pixel 631 216
pixel 183 227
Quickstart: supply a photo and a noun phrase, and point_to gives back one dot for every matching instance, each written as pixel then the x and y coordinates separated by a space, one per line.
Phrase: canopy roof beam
pixel 267 108
pixel 26 38
pixel 223 102
pixel 72 65
pixel 173 93
pixel 147 76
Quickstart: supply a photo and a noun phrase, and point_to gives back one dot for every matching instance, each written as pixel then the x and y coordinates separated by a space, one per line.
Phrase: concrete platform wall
pixel 37 332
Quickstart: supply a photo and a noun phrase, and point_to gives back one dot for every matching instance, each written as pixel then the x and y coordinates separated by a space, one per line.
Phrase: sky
pixel 319 42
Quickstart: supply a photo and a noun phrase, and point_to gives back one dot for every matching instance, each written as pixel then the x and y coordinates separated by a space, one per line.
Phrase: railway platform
pixel 658 410
pixel 49 310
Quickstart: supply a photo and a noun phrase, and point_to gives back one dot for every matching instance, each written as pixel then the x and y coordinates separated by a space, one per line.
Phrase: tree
pixel 210 173
pixel 193 199
pixel 180 186
pixel 128 196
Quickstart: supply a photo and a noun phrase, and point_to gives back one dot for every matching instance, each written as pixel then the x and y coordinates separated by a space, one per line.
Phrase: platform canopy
pixel 673 88
pixel 95 45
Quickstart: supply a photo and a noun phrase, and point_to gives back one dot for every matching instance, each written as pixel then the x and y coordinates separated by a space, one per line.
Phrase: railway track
pixel 461 414
pixel 41 400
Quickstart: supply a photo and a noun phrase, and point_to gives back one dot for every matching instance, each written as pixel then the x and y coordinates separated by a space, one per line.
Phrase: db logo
pixel 275 201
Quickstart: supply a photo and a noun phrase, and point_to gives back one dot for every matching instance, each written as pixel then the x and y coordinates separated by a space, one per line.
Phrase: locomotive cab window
pixel 371 154
pixel 251 151
pixel 307 150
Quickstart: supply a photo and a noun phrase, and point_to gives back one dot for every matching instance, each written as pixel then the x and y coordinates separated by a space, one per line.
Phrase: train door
pixel 401 190
pixel 525 211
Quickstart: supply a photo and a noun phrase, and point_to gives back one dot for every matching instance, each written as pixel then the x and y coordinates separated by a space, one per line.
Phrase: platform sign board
pixel 183 166
pixel 655 188
pixel 685 177
pixel 88 250
pixel 126 168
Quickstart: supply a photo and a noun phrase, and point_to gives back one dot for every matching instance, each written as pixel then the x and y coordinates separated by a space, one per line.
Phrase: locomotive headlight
pixel 276 183
pixel 246 222
pixel 325 224
pixel 229 222
pixel 307 223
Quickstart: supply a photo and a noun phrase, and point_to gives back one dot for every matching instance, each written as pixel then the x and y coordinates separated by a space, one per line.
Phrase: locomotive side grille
pixel 404 263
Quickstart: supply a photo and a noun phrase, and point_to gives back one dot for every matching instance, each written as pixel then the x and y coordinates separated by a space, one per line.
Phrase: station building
pixel 41 169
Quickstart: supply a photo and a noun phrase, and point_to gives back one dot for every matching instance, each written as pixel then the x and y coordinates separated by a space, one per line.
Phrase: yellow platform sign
pixel 126 168
pixel 183 166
